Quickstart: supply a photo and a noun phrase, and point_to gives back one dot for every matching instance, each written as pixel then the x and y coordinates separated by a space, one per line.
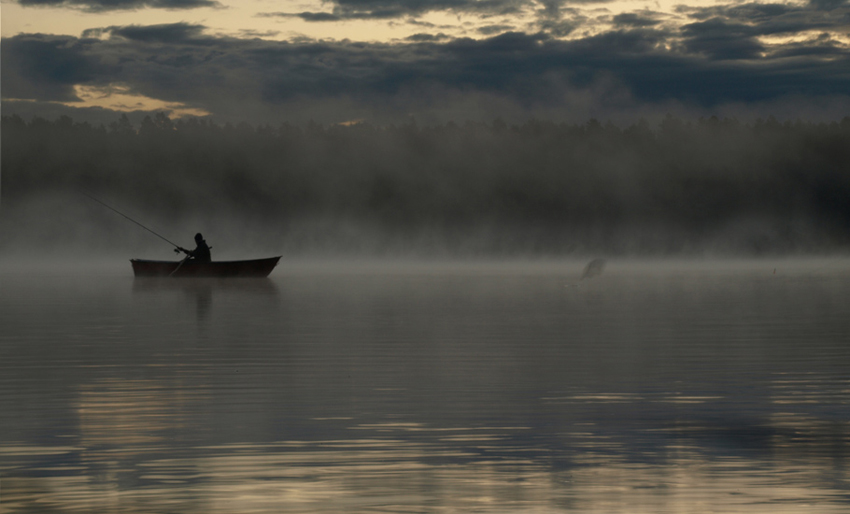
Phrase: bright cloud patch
pixel 119 98
pixel 118 5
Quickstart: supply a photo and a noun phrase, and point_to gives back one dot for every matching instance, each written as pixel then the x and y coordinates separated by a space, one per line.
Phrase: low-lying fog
pixel 464 317
pixel 694 188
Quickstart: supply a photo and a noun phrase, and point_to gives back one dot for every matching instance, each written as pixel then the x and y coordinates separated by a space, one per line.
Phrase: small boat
pixel 189 268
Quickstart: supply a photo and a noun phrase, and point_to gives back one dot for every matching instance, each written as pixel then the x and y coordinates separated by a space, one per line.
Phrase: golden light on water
pixel 404 467
pixel 395 476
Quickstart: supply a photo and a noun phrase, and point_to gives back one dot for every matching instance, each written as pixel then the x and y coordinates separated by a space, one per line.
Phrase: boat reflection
pixel 259 286
pixel 202 290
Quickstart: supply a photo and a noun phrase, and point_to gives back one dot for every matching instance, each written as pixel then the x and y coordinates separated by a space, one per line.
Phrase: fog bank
pixel 705 186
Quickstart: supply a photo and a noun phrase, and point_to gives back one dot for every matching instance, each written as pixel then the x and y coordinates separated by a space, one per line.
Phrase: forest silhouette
pixel 540 186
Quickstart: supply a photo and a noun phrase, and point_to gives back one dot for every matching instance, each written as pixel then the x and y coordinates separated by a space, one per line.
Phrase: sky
pixel 433 61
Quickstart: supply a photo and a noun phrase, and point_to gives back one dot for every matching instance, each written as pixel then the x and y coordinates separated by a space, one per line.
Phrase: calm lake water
pixel 657 387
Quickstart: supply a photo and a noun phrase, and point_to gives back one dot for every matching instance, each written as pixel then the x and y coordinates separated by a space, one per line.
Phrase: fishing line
pixel 113 209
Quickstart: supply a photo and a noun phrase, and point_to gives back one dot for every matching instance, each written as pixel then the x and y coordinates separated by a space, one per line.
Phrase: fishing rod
pixel 177 248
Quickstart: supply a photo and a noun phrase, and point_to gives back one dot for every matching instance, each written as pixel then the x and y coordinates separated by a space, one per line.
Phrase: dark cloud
pixel 722 40
pixel 636 19
pixel 558 21
pixel 821 46
pixel 118 5
pixel 489 30
pixel 620 43
pixel 828 5
pixel 562 17
pixel 306 16
pixel 775 19
pixel 47 67
pixel 388 9
pixel 173 33
pixel 752 12
pixel 260 80
pixel 553 10
pixel 734 31
pixel 430 38
pixel 318 16
pixel 561 28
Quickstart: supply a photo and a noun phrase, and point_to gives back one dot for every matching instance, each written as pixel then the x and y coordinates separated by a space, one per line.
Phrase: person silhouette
pixel 201 253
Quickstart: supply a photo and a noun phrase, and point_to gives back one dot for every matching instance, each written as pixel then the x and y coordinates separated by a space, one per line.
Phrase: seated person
pixel 201 253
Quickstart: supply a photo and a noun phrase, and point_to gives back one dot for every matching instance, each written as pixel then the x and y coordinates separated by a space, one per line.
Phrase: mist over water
pixel 467 318
pixel 701 187
pixel 473 386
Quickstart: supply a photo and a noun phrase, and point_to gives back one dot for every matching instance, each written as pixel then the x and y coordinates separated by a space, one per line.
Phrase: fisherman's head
pixel 199 237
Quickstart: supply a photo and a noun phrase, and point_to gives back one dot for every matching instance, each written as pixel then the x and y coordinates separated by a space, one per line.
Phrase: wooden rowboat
pixel 252 268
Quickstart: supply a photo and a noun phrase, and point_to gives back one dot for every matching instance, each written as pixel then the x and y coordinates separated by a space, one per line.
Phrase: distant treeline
pixel 690 177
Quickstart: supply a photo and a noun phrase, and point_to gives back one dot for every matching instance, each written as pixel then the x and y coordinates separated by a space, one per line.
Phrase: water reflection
pixel 427 393
pixel 117 414
pixel 201 291
pixel 398 475
pixel 129 455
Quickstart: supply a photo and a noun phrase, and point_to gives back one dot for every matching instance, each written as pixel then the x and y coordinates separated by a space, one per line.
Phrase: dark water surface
pixel 657 387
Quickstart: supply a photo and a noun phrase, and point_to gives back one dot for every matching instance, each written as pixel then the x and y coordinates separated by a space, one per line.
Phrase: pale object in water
pixel 593 268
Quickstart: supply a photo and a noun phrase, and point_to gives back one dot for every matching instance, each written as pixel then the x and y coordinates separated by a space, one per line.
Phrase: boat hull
pixel 252 268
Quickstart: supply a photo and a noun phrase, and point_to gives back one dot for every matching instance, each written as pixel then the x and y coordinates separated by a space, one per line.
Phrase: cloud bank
pixel 711 64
